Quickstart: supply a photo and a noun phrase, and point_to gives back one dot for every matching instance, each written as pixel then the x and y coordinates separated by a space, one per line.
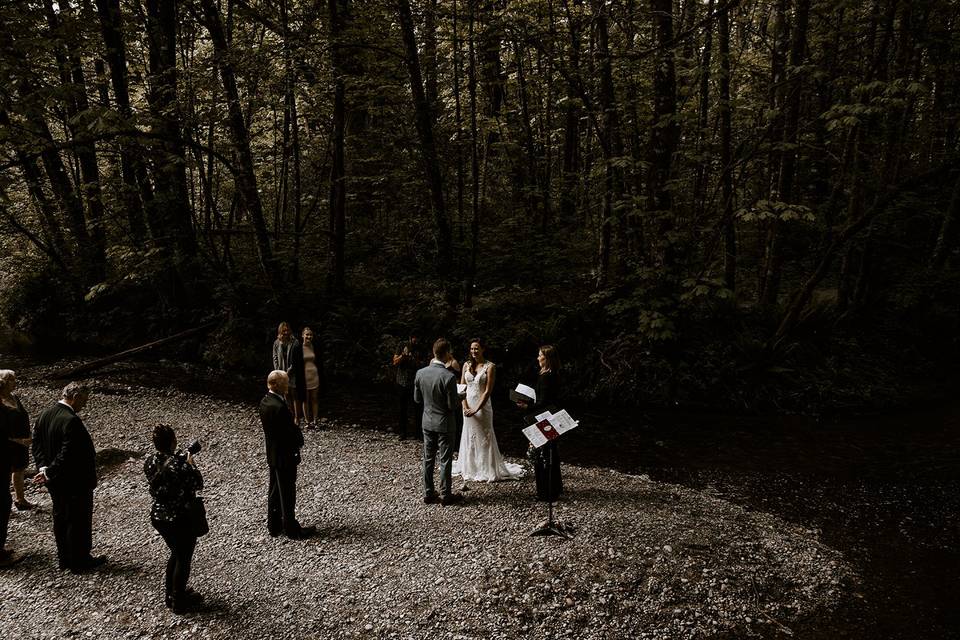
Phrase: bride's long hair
pixel 472 360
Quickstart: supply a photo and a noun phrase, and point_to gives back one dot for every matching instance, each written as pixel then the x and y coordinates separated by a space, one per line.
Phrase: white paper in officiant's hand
pixel 524 391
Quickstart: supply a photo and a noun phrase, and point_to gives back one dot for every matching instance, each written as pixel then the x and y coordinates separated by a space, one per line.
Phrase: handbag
pixel 196 516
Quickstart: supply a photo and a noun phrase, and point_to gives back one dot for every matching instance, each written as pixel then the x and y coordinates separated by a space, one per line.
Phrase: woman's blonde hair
pixel 283 325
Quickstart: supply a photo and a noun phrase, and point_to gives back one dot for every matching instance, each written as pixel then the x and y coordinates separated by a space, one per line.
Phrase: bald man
pixel 283 442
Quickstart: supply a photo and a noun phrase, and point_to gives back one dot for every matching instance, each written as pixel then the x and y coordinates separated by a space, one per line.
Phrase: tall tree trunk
pixel 49 224
pixel 292 134
pixel 530 186
pixel 611 144
pixel 170 213
pixel 76 105
pixel 428 148
pixel 136 192
pixel 777 97
pixel 246 177
pixel 665 132
pixel 458 116
pixel 474 156
pixel 430 62
pixel 726 158
pixel 570 175
pixel 338 185
pixel 546 127
pixel 703 115
pixel 788 153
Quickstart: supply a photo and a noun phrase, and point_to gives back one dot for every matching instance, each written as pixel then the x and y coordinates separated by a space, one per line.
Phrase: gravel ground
pixel 649 560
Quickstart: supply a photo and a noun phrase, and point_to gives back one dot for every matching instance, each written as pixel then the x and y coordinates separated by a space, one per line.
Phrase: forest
pixel 742 204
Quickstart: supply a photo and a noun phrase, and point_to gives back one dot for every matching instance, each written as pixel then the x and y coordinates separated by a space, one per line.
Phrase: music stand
pixel 550 527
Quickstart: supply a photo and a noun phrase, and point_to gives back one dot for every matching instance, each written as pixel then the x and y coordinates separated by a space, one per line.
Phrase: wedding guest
pixel 18 424
pixel 546 459
pixel 480 459
pixel 311 379
pixel 67 465
pixel 288 357
pixel 407 359
pixel 283 441
pixel 7 557
pixel 174 481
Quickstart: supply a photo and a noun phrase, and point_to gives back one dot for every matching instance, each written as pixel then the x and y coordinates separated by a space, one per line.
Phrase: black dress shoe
pixel 431 499
pixel 186 603
pixel 89 563
pixel 303 533
pixel 453 498
pixel 9 558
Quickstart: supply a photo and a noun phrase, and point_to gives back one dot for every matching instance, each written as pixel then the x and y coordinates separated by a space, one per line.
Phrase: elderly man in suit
pixel 436 387
pixel 283 440
pixel 67 465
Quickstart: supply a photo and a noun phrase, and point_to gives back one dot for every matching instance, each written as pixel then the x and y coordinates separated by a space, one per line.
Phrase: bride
pixel 479 457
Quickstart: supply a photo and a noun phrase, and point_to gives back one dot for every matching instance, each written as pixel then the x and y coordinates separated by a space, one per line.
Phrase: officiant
pixel 546 459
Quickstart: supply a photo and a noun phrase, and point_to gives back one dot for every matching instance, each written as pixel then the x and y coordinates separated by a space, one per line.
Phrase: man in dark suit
pixel 283 442
pixel 67 465
pixel 436 387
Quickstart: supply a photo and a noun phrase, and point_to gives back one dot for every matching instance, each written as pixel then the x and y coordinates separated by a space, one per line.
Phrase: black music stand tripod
pixel 550 528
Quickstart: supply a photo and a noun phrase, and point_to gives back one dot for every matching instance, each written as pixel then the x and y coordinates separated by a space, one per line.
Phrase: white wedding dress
pixel 479 458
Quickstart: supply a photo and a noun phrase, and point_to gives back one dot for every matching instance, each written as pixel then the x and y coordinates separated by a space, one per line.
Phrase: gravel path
pixel 649 560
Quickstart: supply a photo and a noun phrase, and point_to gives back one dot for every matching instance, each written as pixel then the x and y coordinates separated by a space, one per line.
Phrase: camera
pixel 194 448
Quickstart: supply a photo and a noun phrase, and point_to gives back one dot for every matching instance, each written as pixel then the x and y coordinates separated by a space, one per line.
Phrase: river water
pixel 884 490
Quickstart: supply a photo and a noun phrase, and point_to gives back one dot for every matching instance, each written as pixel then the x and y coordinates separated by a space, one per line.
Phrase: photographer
pixel 174 481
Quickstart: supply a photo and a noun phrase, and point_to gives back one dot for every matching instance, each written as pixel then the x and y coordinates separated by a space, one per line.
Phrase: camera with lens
pixel 194 448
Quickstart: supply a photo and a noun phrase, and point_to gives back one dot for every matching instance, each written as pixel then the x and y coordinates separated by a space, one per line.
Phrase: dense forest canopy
pixel 692 198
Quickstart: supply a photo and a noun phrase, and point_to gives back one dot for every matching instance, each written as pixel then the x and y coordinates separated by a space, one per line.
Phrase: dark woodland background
pixel 738 204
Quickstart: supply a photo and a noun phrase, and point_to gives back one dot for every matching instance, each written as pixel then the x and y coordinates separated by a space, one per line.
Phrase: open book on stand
pixel 549 426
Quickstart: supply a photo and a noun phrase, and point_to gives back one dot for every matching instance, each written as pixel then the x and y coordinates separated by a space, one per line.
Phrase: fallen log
pixel 93 365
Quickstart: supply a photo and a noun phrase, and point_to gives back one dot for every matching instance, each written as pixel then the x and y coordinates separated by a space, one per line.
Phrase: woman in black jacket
pixel 546 459
pixel 174 481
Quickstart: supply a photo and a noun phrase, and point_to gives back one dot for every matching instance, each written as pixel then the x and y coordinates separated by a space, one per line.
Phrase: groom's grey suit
pixel 436 387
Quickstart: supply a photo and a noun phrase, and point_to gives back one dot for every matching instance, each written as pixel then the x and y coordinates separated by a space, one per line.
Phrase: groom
pixel 436 387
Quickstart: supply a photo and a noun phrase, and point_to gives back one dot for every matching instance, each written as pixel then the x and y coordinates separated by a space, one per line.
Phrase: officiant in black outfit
pixel 546 459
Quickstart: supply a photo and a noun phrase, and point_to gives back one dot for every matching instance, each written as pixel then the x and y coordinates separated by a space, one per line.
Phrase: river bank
pixel 650 559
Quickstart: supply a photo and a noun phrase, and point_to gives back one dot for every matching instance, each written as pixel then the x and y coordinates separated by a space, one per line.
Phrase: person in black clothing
pixel 546 459
pixel 283 440
pixel 408 358
pixel 67 465
pixel 11 414
pixel 174 481
pixel 18 432
pixel 288 357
